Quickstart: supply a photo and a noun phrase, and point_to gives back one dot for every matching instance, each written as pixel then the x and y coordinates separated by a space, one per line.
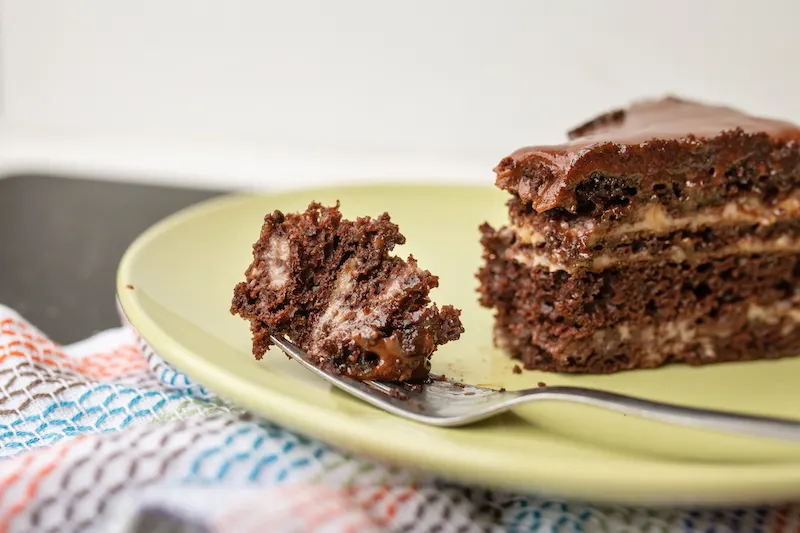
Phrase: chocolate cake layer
pixel 743 333
pixel 333 288
pixel 684 154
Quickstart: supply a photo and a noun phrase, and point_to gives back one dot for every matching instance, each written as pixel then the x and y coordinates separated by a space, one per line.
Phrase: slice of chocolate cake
pixel 665 232
pixel 331 287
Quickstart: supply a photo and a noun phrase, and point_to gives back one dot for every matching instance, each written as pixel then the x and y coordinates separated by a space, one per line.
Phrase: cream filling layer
pixel 277 257
pixel 653 218
pixel 343 319
pixel 748 245
pixel 275 260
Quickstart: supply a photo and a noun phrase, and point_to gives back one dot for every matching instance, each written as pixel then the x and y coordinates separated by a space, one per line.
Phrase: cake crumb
pixel 398 395
pixel 502 389
pixel 129 286
pixel 517 369
pixel 542 384
pixel 470 393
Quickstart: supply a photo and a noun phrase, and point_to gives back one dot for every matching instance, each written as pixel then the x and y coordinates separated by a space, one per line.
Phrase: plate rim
pixel 752 484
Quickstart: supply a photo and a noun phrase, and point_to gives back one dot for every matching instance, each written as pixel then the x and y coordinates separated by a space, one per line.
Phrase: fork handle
pixel 725 421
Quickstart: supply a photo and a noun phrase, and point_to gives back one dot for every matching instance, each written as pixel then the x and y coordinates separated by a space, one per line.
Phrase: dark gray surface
pixel 62 240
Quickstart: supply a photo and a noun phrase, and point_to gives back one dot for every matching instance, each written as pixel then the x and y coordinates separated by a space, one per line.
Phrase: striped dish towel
pixel 104 436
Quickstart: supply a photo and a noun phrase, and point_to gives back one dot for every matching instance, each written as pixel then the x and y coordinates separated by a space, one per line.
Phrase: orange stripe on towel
pixel 31 489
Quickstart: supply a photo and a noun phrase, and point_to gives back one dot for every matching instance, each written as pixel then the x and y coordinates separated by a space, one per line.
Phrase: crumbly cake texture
pixel 331 286
pixel 665 232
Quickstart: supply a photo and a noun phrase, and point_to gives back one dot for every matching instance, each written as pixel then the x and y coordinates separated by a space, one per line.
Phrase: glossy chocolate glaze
pixel 658 141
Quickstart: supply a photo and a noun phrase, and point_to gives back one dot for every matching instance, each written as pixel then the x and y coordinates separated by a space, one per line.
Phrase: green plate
pixel 182 272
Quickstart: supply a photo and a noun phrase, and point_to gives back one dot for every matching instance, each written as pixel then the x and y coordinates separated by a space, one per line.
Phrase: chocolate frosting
pixel 657 138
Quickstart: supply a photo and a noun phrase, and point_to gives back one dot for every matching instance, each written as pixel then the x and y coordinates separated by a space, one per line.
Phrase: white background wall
pixel 285 93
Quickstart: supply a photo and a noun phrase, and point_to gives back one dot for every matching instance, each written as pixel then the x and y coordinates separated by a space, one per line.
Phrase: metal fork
pixel 446 403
